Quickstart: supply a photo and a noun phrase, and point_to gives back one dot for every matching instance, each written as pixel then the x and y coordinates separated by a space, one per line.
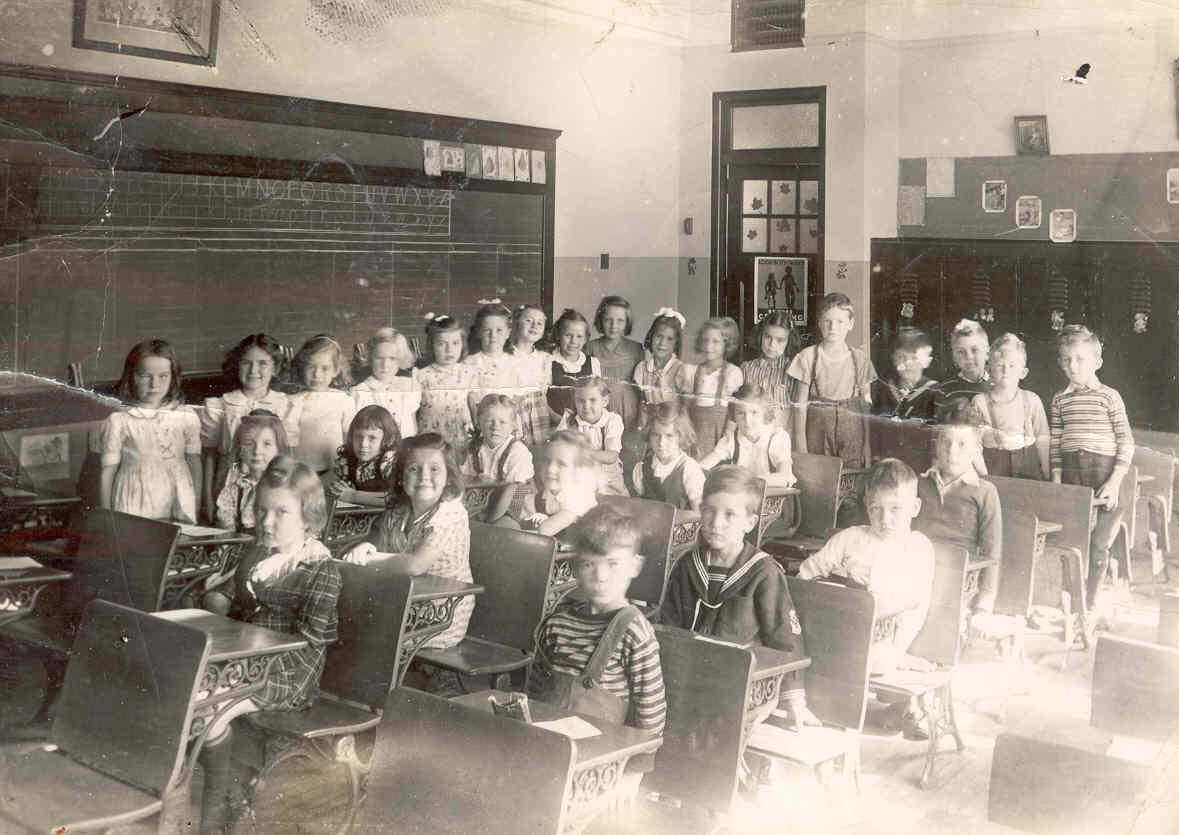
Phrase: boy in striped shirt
pixel 1090 442
pixel 606 541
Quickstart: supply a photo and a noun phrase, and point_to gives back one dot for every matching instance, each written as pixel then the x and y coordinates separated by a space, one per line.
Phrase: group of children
pixel 409 438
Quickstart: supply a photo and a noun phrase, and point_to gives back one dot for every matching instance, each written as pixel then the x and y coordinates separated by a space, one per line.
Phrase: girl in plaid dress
pixel 778 341
pixel 536 374
pixel 425 530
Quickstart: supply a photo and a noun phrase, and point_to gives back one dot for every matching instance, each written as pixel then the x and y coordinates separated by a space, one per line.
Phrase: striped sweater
pixel 569 637
pixel 1092 419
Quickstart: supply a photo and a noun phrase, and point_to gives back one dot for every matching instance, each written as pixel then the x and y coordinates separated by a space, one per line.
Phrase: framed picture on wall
pixel 171 30
pixel 1062 226
pixel 994 196
pixel 1028 212
pixel 780 284
pixel 1031 135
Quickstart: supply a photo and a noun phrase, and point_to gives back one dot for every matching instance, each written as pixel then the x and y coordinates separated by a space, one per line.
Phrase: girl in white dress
pixel 496 370
pixel 323 410
pixel 151 452
pixel 393 383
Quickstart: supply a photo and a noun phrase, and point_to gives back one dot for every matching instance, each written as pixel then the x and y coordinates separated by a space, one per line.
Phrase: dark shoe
pixel 912 729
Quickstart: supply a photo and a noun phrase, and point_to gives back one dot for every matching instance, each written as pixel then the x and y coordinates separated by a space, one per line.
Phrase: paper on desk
pixel 347 506
pixel 15 563
pixel 573 727
pixel 201 530
pixel 16 493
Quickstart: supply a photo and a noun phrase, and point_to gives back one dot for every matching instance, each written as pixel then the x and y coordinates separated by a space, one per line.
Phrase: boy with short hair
pixel 970 347
pixel 1091 443
pixel 567 640
pixel 959 507
pixel 727 589
pixel 909 395
pixel 887 558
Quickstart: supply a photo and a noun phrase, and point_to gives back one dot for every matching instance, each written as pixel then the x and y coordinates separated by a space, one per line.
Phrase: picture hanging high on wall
pixel 171 30
pixel 1028 212
pixel 994 196
pixel 780 284
pixel 1062 226
pixel 1031 135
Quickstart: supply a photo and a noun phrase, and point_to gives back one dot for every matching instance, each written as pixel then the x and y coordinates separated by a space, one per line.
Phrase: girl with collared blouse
pixel 655 375
pixel 151 452
pixel 254 364
pixel 393 383
pixel 426 529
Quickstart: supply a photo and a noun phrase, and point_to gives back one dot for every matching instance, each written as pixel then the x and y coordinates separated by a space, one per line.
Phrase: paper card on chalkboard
pixel 522 166
pixel 507 164
pixel 473 156
pixel 432 155
pixel 1062 226
pixel 994 196
pixel 452 158
pixel 538 168
pixel 911 206
pixel 1028 212
pixel 490 162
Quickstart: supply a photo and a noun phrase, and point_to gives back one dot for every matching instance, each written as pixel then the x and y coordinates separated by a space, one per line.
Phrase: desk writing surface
pixel 432 587
pixel 234 638
pixel 770 661
pixel 13 570
pixel 613 741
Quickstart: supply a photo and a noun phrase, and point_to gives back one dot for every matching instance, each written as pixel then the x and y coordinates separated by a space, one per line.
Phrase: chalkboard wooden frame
pixel 107 93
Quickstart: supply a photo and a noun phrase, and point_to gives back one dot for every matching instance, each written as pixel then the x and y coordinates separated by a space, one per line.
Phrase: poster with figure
pixel 780 284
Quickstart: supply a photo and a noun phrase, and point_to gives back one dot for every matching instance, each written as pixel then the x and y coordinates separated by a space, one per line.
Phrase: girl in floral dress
pixel 496 370
pixel 364 465
pixel 446 382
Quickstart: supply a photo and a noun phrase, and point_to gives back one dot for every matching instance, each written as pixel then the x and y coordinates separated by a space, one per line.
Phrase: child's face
pixel 496 425
pixel 712 345
pixel 532 322
pixel 493 333
pixel 151 381
pixel 366 442
pixel 590 403
pixel 911 365
pixel 572 338
pixel 970 355
pixel 255 369
pixel 256 452
pixel 614 323
pixel 280 519
pixel 604 578
pixel 892 511
pixel 559 467
pixel 448 347
pixel 773 341
pixel 955 451
pixel 835 324
pixel 751 418
pixel 320 370
pixel 664 441
pixel 663 343
pixel 1007 368
pixel 424 478
pixel 725 519
pixel 1079 362
pixel 386 360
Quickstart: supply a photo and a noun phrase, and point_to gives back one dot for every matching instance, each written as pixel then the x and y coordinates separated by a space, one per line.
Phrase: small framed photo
pixel 1062 226
pixel 1028 212
pixel 994 196
pixel 171 30
pixel 1173 185
pixel 1031 135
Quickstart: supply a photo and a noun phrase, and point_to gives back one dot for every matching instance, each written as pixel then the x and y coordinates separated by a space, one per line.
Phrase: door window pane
pixel 782 234
pixel 776 126
pixel 808 197
pixel 753 199
pixel 753 234
pixel 785 197
pixel 808 236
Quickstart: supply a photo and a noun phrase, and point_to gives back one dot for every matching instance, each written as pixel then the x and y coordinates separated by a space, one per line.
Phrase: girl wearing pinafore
pixel 706 387
pixel 570 364
pixel 151 453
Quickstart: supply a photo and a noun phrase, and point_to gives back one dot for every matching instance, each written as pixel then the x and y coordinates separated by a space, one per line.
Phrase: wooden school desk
pixel 198 557
pixel 21 583
pixel 598 761
pixel 431 611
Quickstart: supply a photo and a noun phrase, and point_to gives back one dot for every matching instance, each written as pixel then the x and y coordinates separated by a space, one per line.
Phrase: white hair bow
pixel 429 317
pixel 967 326
pixel 673 313
pixel 488 301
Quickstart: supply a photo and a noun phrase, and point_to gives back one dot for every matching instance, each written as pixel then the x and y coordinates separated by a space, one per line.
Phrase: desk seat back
pixel 1017 579
pixel 445 767
pixel 837 632
pixel 1066 504
pixel 121 558
pixel 130 687
pixel 655 521
pixel 818 481
pixel 1135 688
pixel 514 568
pixel 940 638
pixel 1160 465
pixel 706 685
pixel 361 665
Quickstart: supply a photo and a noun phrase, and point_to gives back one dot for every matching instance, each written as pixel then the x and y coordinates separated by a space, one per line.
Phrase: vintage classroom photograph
pixel 589 416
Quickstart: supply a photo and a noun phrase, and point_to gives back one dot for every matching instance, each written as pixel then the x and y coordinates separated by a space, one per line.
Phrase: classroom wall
pixel 613 93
